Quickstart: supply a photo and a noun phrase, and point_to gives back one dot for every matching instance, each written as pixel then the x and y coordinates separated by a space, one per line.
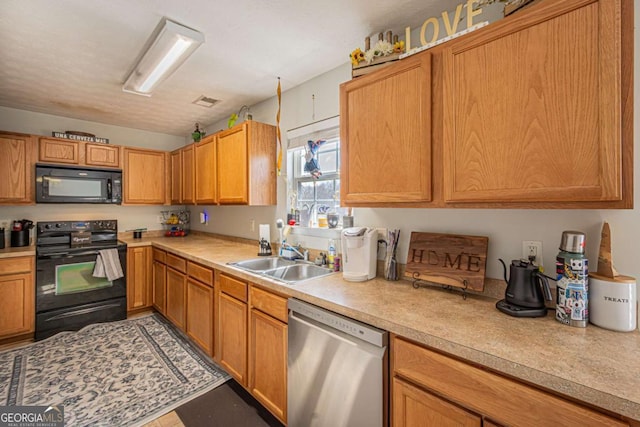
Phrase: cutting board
pixel 449 259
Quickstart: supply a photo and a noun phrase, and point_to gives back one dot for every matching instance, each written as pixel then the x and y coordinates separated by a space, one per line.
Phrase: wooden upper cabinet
pixel 232 171
pixel 102 155
pixel 385 135
pixel 17 159
pixel 59 151
pixel 246 164
pixel 533 107
pixel 54 150
pixel 205 171
pixel 188 175
pixel 144 176
pixel 176 177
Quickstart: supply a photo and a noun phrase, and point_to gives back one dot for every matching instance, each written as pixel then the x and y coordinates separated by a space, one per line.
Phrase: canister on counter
pixel 613 302
pixel 572 300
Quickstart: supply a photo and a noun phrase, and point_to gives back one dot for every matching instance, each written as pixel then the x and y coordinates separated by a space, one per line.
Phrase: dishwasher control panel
pixel 341 323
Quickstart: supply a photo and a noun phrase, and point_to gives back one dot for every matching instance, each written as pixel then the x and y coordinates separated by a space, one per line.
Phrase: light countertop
pixel 593 365
pixel 9 252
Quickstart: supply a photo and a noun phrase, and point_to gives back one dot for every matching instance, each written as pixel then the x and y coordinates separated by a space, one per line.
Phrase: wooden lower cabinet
pixel 176 297
pixel 159 297
pixel 268 362
pixel 251 340
pixel 414 407
pixel 430 385
pixel 200 314
pixel 17 296
pixel 139 278
pixel 232 336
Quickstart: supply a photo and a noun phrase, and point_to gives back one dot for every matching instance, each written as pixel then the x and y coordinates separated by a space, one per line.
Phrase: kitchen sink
pixel 285 270
pixel 296 273
pixel 262 264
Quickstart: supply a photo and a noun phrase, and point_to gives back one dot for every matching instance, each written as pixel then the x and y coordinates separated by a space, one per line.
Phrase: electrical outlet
pixel 160 219
pixel 5 223
pixel 532 250
pixel 252 224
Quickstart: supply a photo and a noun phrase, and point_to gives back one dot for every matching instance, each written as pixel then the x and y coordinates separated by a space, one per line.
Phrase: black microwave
pixel 77 184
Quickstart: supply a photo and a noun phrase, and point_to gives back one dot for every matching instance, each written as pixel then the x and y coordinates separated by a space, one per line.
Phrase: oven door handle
pixel 67 255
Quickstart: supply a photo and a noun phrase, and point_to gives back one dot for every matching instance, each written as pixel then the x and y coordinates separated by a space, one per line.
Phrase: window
pixel 314 197
pixel 324 191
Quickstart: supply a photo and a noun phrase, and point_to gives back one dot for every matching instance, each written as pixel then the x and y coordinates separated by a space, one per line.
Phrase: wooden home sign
pixel 448 259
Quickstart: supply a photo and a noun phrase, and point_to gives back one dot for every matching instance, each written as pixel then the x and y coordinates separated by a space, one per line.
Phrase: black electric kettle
pixel 526 291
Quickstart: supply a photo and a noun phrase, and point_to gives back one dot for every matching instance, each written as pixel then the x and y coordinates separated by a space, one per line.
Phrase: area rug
pixel 122 373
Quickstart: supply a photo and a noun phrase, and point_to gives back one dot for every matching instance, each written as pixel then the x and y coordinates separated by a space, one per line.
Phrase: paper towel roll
pixel 613 302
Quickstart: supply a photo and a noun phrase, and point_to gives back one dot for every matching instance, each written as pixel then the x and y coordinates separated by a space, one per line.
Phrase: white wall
pixel 506 228
pixel 128 217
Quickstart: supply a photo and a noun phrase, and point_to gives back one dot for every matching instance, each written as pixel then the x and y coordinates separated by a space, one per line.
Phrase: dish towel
pixel 108 265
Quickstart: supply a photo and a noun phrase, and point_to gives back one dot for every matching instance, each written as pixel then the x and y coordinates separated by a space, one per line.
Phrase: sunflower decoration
pixel 357 56
pixel 398 47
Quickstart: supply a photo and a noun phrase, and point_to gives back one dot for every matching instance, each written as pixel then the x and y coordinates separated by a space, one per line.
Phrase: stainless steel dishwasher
pixel 336 370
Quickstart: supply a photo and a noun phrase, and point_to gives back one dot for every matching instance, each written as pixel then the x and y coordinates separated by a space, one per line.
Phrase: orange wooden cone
pixel 605 259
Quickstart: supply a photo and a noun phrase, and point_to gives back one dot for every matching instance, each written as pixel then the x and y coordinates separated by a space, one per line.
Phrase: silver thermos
pixel 572 300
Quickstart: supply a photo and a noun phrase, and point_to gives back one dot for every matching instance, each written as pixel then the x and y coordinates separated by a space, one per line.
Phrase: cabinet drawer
pixel 16 265
pixel 233 287
pixel 159 255
pixel 268 303
pixel 198 272
pixel 506 401
pixel 177 263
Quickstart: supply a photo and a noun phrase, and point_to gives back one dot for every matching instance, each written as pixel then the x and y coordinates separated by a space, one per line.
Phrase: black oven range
pixel 68 296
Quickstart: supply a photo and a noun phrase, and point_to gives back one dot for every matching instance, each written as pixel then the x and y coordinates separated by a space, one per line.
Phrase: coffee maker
pixel 359 249
pixel 524 294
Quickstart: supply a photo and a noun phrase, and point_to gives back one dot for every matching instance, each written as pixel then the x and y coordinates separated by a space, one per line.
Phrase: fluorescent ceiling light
pixel 167 48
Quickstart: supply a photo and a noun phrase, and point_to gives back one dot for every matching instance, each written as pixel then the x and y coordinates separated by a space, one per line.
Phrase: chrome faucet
pixel 301 255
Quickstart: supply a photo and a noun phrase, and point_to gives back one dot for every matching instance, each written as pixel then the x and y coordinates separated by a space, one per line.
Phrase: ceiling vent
pixel 205 101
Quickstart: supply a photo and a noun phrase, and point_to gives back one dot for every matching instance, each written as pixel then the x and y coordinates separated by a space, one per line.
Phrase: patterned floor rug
pixel 122 373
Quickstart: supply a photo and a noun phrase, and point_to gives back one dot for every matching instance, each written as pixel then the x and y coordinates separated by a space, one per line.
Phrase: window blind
pixel 324 129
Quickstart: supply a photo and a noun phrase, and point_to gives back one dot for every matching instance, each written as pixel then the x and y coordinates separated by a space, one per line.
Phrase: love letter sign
pixel 449 259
